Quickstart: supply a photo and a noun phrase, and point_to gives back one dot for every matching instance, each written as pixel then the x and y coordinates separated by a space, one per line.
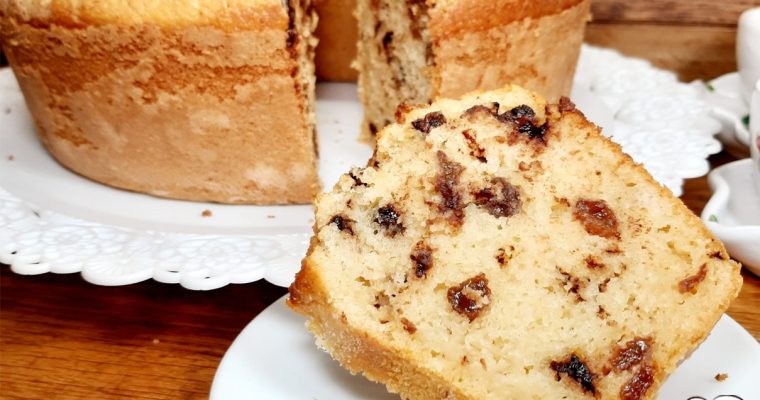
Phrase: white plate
pixel 56 221
pixel 724 95
pixel 733 212
pixel 274 357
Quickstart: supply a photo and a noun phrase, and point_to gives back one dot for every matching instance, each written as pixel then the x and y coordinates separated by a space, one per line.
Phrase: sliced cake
pixel 498 247
pixel 192 99
pixel 415 51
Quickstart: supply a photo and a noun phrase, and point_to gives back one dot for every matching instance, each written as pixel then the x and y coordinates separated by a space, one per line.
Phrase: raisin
pixel 717 255
pixel 577 370
pixel 565 105
pixel 524 119
pixel 422 258
pixel 470 297
pixel 638 385
pixel 387 39
pixel 373 129
pixel 482 109
pixel 475 150
pixel 429 121
pixel 388 217
pixel 408 326
pixel 689 284
pixel 593 263
pixel 446 183
pixel 356 179
pixel 501 200
pixel 632 354
pixel 343 223
pixel 597 218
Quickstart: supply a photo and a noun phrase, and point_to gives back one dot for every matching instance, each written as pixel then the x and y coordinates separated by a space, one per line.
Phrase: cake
pixel 414 51
pixel 499 247
pixel 201 100
pixel 337 39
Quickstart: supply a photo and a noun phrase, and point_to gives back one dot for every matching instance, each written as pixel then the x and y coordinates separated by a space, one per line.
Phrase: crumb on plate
pixel 206 213
pixel 721 377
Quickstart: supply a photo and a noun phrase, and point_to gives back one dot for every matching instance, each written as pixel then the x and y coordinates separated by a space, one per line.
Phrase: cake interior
pixel 394 57
pixel 505 252
pixel 302 23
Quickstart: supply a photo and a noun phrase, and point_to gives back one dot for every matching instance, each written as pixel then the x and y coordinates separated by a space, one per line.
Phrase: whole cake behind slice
pixel 415 51
pixel 498 247
pixel 191 99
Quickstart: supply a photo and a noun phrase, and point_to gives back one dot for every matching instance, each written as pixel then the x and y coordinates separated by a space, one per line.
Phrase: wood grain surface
pixel 677 12
pixel 63 338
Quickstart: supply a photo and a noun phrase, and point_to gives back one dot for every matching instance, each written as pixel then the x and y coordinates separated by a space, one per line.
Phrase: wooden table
pixel 62 338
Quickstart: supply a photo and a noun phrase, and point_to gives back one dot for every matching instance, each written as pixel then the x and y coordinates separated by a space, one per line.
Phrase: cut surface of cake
pixel 414 51
pixel 202 100
pixel 500 247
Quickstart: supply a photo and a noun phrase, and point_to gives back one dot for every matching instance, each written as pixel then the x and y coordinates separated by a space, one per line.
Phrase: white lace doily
pixel 52 220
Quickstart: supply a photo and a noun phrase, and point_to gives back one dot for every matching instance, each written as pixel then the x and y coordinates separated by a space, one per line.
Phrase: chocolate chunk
pixel 500 200
pixel 422 258
pixel 388 218
pixel 373 129
pixel 429 121
pixel 343 223
pixel 597 218
pixel 632 354
pixel 470 297
pixel 576 370
pixel 638 385
pixel 690 283
pixel 446 184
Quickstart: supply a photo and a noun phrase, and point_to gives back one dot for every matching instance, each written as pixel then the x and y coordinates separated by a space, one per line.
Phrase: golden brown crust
pixel 193 113
pixel 356 349
pixel 456 17
pixel 337 40
pixel 539 54
pixel 227 15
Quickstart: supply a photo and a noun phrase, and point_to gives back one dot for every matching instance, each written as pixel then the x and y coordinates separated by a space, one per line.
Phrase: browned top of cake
pixel 452 17
pixel 224 14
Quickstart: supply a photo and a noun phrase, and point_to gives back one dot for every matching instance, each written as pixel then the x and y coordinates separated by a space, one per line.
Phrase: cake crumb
pixel 270 216
pixel 721 377
pixel 206 213
pixel 11 157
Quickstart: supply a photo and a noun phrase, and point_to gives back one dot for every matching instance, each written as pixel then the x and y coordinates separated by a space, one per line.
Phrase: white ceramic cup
pixel 754 133
pixel 748 50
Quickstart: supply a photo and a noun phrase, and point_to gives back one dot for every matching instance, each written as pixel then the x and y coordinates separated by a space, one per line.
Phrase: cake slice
pixel 498 247
pixel 191 99
pixel 418 50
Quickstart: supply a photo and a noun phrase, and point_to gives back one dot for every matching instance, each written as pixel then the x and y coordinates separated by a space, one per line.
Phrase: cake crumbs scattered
pixel 156 341
pixel 721 377
pixel 206 213
pixel 11 157
pixel 270 216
